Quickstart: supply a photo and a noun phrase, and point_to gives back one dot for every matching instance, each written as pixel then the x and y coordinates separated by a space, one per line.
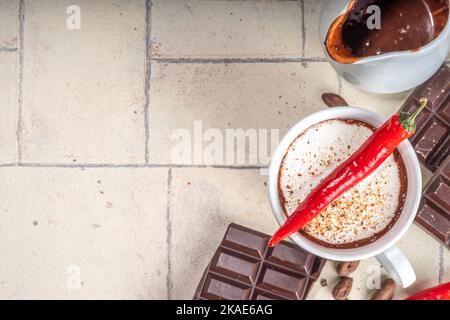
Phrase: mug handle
pixel 397 266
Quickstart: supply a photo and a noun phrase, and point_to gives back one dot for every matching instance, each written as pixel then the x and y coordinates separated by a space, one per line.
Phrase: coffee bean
pixel 343 288
pixel 333 100
pixel 386 291
pixel 345 268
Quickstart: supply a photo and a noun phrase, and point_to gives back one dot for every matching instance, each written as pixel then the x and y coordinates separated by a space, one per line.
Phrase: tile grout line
pixel 7 49
pixel 21 16
pixel 301 4
pixel 148 67
pixel 185 60
pixel 78 165
pixel 129 165
pixel 8 165
pixel 169 235
pixel 189 166
pixel 441 264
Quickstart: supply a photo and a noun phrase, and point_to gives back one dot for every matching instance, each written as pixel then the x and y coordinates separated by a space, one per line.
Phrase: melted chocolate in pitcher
pixel 405 25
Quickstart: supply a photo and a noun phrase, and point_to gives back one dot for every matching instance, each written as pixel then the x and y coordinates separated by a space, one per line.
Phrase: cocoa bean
pixel 343 288
pixel 345 268
pixel 387 290
pixel 333 100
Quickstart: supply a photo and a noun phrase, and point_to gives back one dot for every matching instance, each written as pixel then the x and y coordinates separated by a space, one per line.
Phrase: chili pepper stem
pixel 409 120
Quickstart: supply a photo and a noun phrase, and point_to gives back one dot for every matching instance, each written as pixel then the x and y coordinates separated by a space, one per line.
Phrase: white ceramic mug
pixel 383 248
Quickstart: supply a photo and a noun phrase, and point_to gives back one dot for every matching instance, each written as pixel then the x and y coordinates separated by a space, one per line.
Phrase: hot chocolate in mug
pixel 383 248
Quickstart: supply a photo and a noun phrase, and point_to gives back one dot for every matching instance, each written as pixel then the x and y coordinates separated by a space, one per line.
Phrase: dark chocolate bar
pixel 432 145
pixel 432 139
pixel 434 212
pixel 244 268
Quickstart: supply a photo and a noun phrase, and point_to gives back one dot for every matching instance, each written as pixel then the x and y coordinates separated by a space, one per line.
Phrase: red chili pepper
pixel 377 148
pixel 441 292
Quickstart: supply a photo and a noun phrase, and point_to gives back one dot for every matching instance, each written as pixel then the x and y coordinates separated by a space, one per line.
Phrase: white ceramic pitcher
pixel 390 72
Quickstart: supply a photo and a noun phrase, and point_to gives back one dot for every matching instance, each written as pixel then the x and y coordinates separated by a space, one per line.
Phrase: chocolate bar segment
pixel 219 288
pixel 432 138
pixel 282 282
pixel 432 145
pixel 288 255
pixel 262 295
pixel 235 265
pixel 240 239
pixel 434 211
pixel 244 268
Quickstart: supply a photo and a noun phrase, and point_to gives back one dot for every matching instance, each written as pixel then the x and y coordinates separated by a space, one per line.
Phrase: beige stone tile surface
pixel 8 107
pixel 203 203
pixel 84 89
pixel 110 224
pixel 426 175
pixel 9 25
pixel 231 96
pixel 423 253
pixel 218 29
pixel 445 256
pixel 384 105
pixel 313 45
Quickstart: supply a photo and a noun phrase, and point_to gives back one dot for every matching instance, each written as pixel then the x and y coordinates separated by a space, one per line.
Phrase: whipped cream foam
pixel 360 215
